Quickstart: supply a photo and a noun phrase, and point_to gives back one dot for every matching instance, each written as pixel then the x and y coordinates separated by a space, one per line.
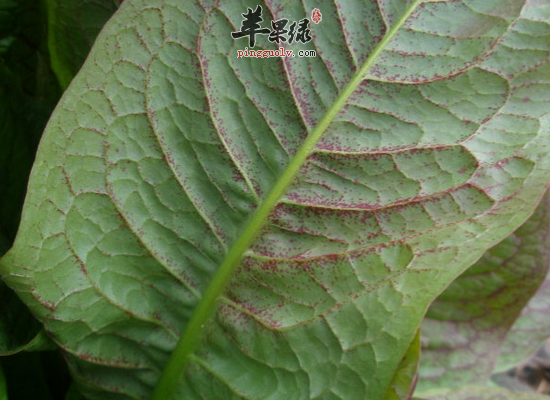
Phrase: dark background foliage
pixel 42 46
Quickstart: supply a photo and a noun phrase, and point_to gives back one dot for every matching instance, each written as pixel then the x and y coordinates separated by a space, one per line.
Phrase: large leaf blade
pixel 133 225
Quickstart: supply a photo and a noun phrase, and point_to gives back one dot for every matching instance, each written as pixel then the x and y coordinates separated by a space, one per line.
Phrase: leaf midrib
pixel 206 307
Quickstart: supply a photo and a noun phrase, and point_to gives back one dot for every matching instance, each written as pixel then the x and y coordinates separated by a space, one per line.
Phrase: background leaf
pixel 166 143
pixel 404 380
pixel 3 386
pixel 28 94
pixel 483 393
pixel 529 331
pixel 40 375
pixel 72 29
pixel 19 330
pixel 28 86
pixel 465 328
pixel 74 394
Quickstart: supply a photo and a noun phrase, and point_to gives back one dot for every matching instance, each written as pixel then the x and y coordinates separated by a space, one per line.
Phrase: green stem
pixel 188 341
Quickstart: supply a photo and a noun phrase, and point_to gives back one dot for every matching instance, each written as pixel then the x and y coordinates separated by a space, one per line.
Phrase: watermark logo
pixel 250 26
pixel 316 15
pixel 297 32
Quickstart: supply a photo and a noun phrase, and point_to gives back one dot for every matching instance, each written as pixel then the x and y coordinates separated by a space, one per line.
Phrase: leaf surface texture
pixel 166 143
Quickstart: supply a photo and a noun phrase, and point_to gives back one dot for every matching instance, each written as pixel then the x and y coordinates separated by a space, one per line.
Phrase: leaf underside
pixel 165 144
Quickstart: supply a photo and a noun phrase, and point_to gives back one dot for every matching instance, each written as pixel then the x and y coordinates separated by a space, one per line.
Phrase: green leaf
pixel 404 380
pixel 72 29
pixel 466 326
pixel 482 393
pixel 336 195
